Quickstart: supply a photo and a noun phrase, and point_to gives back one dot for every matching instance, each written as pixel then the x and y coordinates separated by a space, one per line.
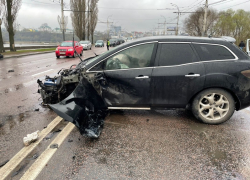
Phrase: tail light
pixel 246 73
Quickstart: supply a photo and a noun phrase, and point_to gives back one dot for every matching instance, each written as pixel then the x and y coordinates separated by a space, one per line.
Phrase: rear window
pixel 212 52
pixel 66 44
pixel 84 42
pixel 176 54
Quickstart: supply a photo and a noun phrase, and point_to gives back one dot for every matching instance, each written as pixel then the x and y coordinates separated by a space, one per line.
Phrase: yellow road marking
pixel 43 159
pixel 6 170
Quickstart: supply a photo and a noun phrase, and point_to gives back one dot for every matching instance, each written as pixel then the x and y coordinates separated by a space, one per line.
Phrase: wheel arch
pixel 236 99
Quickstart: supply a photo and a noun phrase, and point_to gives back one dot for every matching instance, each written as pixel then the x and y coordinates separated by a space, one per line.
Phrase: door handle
pixel 142 77
pixel 192 75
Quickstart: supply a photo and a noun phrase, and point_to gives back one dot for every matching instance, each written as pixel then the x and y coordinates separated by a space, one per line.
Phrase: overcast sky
pixel 132 15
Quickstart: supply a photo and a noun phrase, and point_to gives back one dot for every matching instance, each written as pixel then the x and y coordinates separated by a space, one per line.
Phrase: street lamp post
pixel 176 32
pixel 164 25
pixel 108 25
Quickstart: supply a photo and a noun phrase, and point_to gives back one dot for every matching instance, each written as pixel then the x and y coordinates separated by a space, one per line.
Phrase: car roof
pixel 180 38
pixel 70 41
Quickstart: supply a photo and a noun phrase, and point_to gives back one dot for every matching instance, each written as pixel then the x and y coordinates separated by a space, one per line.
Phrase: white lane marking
pixel 7 169
pixel 42 72
pixel 34 61
pixel 44 158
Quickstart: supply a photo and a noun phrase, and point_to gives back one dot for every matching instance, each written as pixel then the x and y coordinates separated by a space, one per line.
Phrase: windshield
pixel 99 41
pixel 66 44
pixel 92 60
pixel 84 42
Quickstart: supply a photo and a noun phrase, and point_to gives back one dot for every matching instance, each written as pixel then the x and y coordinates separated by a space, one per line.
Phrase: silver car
pixel 86 44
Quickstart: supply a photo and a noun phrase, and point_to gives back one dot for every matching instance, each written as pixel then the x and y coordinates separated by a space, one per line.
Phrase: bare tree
pixel 193 24
pixel 78 17
pixel 93 18
pixel 1 37
pixel 88 21
pixel 11 9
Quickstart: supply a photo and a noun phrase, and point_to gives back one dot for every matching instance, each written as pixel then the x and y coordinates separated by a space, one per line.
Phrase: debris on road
pixel 54 146
pixel 35 156
pixel 3 163
pixel 19 170
pixel 49 136
pixel 30 138
pixel 12 70
pixel 70 140
pixel 37 109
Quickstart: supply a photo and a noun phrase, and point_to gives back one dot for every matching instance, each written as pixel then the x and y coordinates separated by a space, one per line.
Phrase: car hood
pixel 66 47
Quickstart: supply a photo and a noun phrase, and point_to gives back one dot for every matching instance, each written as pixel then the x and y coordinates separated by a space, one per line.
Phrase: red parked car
pixel 66 49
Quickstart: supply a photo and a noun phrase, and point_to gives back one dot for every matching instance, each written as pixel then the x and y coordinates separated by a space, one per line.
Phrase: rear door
pixel 177 75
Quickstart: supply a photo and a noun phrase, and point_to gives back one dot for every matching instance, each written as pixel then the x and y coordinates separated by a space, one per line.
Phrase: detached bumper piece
pixel 85 108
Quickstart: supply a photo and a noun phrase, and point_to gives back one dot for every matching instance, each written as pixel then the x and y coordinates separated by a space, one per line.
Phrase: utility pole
pixel 176 32
pixel 88 21
pixel 62 20
pixel 107 25
pixel 164 25
pixel 205 19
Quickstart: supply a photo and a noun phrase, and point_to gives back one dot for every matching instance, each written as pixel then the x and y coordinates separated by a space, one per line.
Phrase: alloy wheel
pixel 213 106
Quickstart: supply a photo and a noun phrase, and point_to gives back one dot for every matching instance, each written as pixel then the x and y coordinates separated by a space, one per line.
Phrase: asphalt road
pixel 164 144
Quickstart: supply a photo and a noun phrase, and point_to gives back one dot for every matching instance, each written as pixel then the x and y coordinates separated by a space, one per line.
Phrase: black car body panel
pixel 176 70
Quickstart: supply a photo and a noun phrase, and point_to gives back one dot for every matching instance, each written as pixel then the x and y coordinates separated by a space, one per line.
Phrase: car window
pixel 66 44
pixel 212 52
pixel 176 54
pixel 134 57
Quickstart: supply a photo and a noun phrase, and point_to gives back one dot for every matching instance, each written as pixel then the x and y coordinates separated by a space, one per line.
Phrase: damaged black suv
pixel 211 75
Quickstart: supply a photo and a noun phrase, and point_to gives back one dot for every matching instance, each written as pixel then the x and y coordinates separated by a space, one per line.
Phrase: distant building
pixel 115 30
pixel 137 34
pixel 45 27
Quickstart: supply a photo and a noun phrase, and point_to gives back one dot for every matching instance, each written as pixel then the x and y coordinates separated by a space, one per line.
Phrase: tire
pixel 67 56
pixel 81 53
pixel 74 55
pixel 90 48
pixel 213 106
pixel 57 57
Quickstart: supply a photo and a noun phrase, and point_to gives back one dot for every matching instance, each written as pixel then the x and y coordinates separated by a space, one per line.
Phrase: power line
pixel 221 2
pixel 132 9
pixel 237 4
pixel 35 2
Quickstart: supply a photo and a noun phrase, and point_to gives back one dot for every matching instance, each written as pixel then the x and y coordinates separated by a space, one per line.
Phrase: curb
pixel 21 55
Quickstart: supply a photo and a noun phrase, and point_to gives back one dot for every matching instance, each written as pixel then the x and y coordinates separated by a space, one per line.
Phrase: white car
pixel 86 44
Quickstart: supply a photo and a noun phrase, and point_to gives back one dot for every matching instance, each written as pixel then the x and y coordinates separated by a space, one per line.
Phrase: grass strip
pixel 28 51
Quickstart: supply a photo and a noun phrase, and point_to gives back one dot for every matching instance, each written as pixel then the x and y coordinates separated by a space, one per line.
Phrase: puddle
pixel 19 86
pixel 7 123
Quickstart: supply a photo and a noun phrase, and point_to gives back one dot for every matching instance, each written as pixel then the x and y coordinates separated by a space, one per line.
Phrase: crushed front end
pixel 76 97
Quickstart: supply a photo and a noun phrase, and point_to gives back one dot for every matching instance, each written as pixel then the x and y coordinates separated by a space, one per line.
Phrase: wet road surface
pixel 162 144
